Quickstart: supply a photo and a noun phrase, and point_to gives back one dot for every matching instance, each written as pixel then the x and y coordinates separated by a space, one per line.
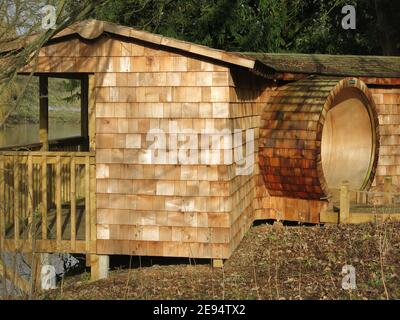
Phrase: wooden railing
pixel 47 201
pixel 77 143
pixel 358 206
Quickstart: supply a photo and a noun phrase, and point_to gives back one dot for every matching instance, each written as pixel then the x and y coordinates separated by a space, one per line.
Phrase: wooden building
pixel 305 124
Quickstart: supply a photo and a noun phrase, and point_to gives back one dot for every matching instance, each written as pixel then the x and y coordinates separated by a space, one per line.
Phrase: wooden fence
pixel 47 201
pixel 359 206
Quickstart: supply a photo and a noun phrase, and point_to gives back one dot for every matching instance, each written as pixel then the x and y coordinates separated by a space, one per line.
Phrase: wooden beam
pixel 381 81
pixel 217 263
pixel 87 204
pixel 44 113
pixel 93 211
pixel 16 191
pixel 63 75
pixel 344 203
pixel 99 266
pixel 32 222
pixel 84 109
pixel 2 203
pixel 58 200
pixel 73 204
pixel 43 181
pixel 92 113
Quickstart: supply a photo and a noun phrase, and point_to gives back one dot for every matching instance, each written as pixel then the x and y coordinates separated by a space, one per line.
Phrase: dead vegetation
pixel 296 262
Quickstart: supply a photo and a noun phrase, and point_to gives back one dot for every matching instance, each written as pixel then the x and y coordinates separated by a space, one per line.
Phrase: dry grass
pixel 271 263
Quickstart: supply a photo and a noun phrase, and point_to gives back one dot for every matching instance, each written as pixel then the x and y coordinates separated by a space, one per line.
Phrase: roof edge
pixel 92 29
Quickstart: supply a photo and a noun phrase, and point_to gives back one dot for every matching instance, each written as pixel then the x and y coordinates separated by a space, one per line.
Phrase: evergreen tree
pixel 309 26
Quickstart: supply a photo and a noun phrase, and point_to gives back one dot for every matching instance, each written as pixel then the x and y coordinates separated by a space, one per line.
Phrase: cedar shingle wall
pixel 387 101
pixel 165 209
pixel 145 208
pixel 248 99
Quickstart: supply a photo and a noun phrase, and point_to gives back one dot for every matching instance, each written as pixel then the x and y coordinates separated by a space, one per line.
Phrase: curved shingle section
pixel 291 134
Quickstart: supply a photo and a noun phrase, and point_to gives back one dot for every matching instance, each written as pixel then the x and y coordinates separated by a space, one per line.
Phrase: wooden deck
pixel 354 206
pixel 48 201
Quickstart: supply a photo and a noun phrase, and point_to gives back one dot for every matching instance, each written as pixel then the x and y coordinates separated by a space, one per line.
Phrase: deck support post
pixel 87 260
pixel 99 266
pixel 217 263
pixel 344 203
pixel 44 112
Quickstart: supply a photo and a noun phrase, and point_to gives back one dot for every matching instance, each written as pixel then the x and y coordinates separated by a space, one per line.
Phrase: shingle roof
pixel 333 65
pixel 92 29
pixel 265 63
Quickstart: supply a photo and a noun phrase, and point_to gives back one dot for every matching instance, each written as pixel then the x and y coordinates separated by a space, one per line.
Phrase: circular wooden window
pixel 317 133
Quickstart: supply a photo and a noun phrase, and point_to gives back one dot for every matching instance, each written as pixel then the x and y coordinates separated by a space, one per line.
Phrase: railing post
pixel 73 203
pixel 43 180
pixel 93 232
pixel 16 194
pixel 344 203
pixel 44 113
pixel 87 203
pixel 32 223
pixel 58 201
pixel 2 208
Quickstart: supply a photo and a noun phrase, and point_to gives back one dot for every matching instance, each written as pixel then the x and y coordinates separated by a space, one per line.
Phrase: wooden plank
pixel 84 109
pixel 46 246
pixel 31 221
pixel 361 217
pixel 329 217
pixel 99 265
pixel 93 212
pixel 92 113
pixel 58 198
pixel 44 113
pixel 2 207
pixel 73 204
pixel 16 192
pixel 49 154
pixel 87 204
pixel 344 203
pixel 44 196
pixel 217 263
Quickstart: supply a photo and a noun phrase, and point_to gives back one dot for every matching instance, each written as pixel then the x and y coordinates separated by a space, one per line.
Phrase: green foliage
pixel 64 98
pixel 309 26
pixel 73 89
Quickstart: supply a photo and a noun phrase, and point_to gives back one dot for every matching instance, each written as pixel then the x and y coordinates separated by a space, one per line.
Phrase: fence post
pixel 344 203
pixel 2 221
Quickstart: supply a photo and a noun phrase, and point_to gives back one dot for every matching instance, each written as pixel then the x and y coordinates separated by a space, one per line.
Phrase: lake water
pixel 26 133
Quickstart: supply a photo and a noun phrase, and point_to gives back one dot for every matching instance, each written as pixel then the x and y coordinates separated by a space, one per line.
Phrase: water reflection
pixel 26 133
